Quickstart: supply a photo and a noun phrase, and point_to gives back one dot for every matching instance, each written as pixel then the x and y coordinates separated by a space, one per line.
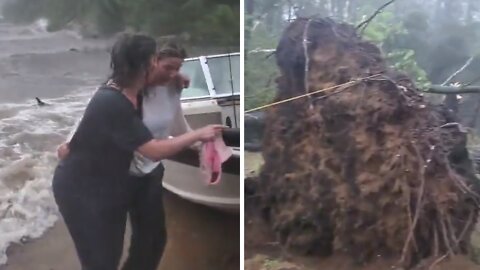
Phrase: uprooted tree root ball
pixel 366 167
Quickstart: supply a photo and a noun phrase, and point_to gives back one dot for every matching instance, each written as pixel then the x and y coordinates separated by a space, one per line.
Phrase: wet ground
pixel 263 251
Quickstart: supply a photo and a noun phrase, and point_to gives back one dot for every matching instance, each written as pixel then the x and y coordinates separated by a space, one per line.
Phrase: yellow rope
pixel 309 94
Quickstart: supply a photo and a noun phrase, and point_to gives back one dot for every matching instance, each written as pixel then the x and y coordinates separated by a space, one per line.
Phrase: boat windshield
pixel 212 76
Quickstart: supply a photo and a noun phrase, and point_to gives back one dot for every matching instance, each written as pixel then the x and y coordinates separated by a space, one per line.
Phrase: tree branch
pixel 441 89
pixel 260 50
pixel 365 23
pixel 469 61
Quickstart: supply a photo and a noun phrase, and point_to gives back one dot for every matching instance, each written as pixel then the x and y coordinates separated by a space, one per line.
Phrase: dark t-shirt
pixel 102 147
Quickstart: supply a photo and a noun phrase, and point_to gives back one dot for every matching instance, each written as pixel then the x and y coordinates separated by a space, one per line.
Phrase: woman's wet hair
pixel 171 49
pixel 130 57
pixel 168 49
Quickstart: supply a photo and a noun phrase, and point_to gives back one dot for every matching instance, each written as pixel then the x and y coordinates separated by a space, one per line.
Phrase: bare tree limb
pixel 260 50
pixel 365 23
pixel 469 61
pixel 440 89
pixel 269 52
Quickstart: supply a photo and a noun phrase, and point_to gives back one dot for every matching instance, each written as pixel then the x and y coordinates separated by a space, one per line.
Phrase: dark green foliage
pixel 202 22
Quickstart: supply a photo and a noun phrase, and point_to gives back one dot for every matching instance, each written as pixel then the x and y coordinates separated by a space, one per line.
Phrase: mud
pixel 263 252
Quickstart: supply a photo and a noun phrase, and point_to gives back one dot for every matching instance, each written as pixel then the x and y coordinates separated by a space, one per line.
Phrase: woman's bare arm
pixel 161 149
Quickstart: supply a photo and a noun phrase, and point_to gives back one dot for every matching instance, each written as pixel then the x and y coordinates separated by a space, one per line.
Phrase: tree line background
pixel 207 23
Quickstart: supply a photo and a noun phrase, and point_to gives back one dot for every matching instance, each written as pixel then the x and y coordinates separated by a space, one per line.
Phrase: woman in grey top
pixel 162 115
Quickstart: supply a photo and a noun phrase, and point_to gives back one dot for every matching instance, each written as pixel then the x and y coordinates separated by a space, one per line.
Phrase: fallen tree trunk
pixel 369 168
pixel 440 89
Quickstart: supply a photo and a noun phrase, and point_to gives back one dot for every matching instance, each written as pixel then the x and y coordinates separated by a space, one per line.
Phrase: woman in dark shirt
pixel 90 184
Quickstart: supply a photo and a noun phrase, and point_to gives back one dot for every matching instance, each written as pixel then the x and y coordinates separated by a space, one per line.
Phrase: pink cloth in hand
pixel 212 155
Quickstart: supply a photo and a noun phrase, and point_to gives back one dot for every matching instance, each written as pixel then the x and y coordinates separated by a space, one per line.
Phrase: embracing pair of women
pixel 112 166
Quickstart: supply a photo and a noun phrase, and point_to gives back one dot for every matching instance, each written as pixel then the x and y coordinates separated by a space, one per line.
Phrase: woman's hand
pixel 181 81
pixel 185 80
pixel 209 132
pixel 63 150
pixel 197 147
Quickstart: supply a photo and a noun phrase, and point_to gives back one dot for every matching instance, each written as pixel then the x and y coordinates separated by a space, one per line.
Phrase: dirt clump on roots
pixel 366 167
